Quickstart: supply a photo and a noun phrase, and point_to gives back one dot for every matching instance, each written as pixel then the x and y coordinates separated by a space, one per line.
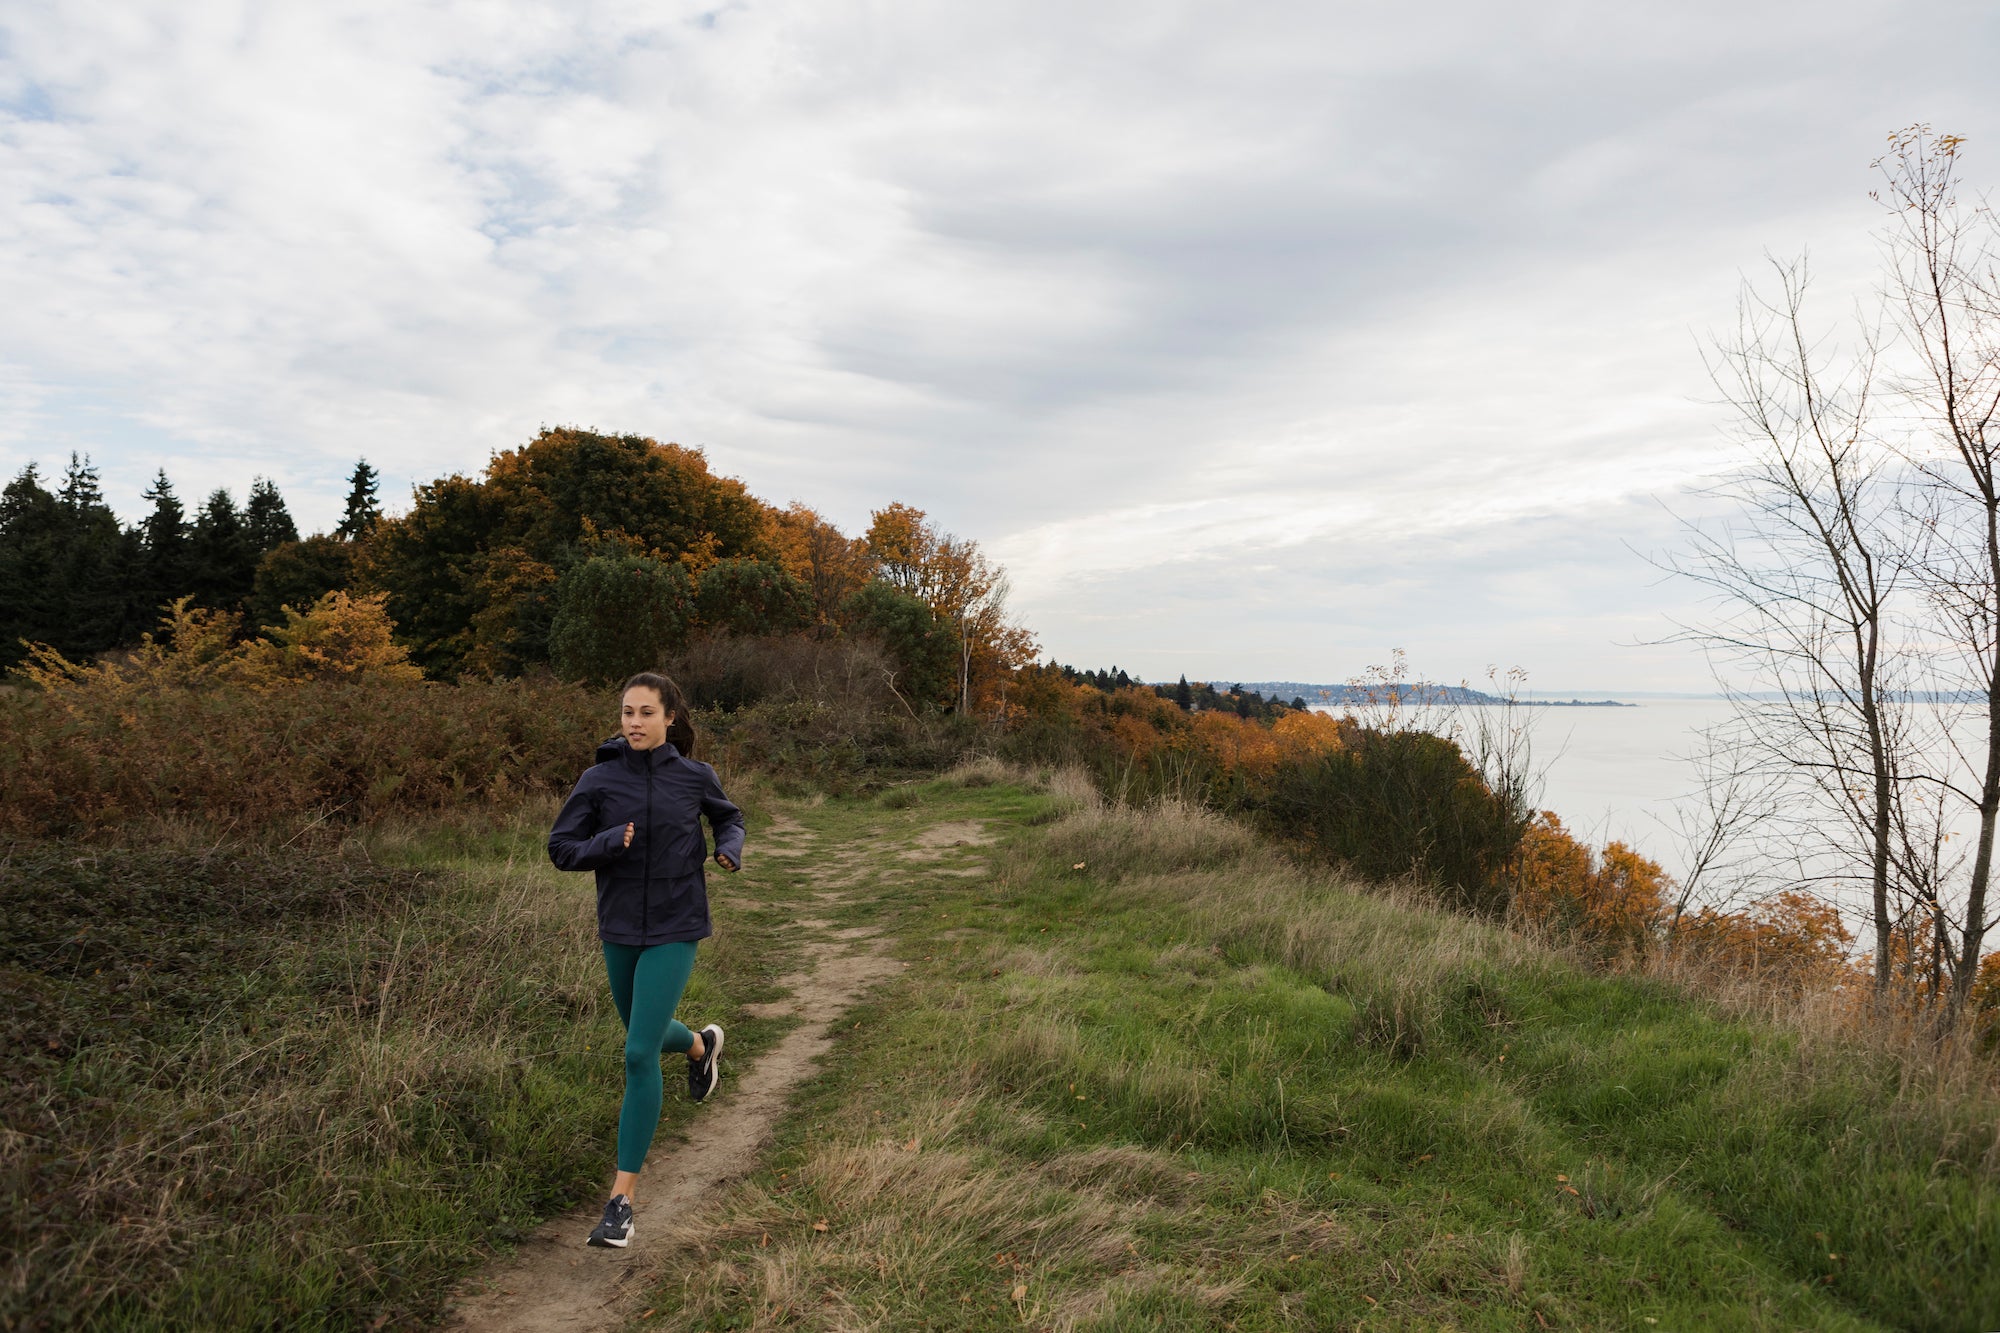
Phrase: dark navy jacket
pixel 652 892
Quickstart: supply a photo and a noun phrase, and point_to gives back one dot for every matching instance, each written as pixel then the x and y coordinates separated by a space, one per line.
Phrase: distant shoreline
pixel 1414 693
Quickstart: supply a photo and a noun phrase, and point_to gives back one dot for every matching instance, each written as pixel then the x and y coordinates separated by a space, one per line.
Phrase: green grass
pixel 1139 1073
pixel 1145 1075
pixel 276 1090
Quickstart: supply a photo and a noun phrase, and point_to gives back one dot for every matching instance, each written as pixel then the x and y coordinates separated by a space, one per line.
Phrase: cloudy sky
pixel 1257 339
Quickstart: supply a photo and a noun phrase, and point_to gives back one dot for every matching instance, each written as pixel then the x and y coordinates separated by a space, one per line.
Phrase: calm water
pixel 1618 772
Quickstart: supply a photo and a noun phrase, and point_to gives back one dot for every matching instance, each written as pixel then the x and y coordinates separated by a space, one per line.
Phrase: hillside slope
pixel 1140 1073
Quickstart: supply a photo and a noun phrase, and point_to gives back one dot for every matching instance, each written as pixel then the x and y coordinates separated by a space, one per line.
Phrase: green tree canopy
pixel 619 615
pixel 297 574
pixel 363 511
pixel 266 520
pixel 472 569
pixel 751 597
pixel 924 648
pixel 222 564
pixel 164 571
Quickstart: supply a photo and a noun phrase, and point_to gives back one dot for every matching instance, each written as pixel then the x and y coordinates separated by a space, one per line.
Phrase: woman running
pixel 635 818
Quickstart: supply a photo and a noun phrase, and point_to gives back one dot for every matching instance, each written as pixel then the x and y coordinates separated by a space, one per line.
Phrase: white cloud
pixel 1141 295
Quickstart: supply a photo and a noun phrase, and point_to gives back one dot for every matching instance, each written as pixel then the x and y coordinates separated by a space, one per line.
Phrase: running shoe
pixel 705 1073
pixel 615 1231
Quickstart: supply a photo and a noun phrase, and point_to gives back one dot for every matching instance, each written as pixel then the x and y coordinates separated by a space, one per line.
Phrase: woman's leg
pixel 658 978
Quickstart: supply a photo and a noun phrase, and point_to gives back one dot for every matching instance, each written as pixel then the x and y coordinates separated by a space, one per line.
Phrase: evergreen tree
pixel 617 615
pixel 266 521
pixel 751 597
pixel 94 566
pixel 362 509
pixel 222 563
pixel 297 574
pixel 924 648
pixel 30 521
pixel 1184 695
pixel 163 571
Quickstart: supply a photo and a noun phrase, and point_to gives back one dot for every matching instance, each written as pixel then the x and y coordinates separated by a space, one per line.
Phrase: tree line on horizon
pixel 587 554
pixel 76 578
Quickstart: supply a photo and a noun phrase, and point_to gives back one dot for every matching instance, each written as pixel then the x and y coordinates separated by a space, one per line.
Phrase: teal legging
pixel 646 985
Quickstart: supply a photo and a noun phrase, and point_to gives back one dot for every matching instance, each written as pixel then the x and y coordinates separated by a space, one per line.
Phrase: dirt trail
pixel 555 1282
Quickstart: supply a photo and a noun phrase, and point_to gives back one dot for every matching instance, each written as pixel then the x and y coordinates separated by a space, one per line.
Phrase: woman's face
pixel 643 718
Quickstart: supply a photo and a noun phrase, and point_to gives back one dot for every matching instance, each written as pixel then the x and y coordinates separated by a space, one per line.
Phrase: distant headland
pixel 1412 692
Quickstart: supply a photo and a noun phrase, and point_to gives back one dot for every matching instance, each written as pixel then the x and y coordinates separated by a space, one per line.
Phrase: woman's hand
pixel 722 859
pixel 628 835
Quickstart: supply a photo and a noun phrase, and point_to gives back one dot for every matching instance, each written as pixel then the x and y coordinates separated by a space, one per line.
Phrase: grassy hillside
pixel 1142 1074
pixel 266 1089
pixel 1139 1073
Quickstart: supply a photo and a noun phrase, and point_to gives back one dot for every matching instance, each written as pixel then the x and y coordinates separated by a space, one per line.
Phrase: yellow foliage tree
pixel 338 638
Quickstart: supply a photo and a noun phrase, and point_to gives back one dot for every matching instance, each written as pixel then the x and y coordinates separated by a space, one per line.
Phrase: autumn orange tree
pixel 831 565
pixel 963 589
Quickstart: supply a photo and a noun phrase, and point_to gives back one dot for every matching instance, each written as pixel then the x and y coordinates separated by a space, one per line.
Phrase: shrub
pixel 258 762
pixel 618 615
pixel 925 652
pixel 1612 903
pixel 728 672
pixel 1391 804
pixel 751 597
pixel 338 637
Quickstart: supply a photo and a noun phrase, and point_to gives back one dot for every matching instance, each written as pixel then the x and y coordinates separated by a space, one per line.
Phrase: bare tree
pixel 1807 586
pixel 1718 830
pixel 1943 288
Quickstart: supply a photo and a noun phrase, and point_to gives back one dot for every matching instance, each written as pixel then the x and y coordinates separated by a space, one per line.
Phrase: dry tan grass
pixel 985 770
pixel 896 1204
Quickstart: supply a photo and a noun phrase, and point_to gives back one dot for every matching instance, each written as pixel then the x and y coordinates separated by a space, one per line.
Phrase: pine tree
pixel 362 509
pixel 266 520
pixel 222 562
pixel 163 573
pixel 1184 695
pixel 30 520
pixel 94 560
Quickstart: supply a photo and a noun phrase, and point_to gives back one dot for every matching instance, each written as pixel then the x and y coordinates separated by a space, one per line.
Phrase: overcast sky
pixel 1256 339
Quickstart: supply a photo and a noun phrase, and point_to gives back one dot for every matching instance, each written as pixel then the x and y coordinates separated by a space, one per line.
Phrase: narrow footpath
pixel 553 1281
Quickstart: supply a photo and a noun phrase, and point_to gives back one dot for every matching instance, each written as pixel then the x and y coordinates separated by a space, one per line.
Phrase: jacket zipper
pixel 646 884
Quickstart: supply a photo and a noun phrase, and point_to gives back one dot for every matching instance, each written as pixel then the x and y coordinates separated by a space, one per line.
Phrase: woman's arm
pixel 576 842
pixel 726 821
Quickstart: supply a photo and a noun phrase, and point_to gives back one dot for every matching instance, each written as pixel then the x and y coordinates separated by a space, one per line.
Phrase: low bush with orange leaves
pixel 1612 901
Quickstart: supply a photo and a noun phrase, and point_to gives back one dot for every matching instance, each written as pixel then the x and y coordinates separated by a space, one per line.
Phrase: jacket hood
pixel 619 748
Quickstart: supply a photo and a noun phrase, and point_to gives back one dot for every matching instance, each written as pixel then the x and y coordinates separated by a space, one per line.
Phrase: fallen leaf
pixel 1291 1258
pixel 650 1313
pixel 764 1243
pixel 1427 1157
pixel 1562 1177
pixel 820 1225
pixel 1077 866
pixel 911 1146
pixel 1021 1293
pixel 1370 1299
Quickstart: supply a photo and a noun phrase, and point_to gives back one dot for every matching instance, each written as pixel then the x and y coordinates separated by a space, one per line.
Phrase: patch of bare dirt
pixel 965 833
